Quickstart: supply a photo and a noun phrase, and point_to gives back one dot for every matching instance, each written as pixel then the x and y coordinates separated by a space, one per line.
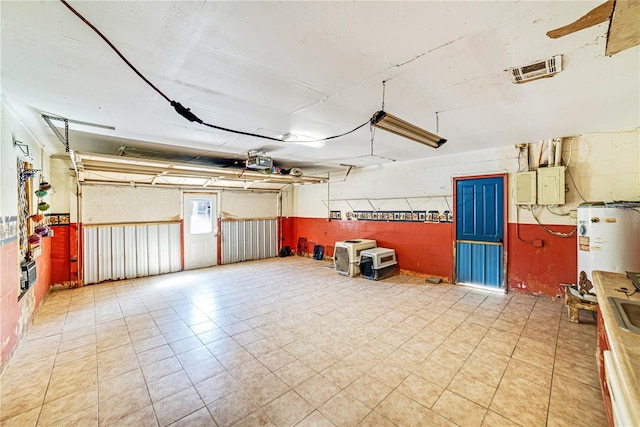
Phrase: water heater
pixel 608 240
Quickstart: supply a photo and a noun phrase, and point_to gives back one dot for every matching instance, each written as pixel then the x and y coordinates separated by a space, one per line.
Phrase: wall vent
pixel 537 70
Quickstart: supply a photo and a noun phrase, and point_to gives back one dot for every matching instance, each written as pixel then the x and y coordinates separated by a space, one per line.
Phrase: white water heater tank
pixel 608 240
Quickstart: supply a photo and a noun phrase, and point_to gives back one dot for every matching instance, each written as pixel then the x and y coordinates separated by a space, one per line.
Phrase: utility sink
pixel 627 314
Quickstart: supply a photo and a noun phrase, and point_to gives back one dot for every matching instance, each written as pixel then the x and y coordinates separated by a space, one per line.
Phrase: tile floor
pixel 285 342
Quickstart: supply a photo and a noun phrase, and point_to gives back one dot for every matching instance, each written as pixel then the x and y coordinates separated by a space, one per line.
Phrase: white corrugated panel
pixel 153 250
pixel 130 249
pixel 104 253
pixel 90 258
pixel 143 254
pixel 176 249
pixel 117 253
pixel 124 252
pixel 248 240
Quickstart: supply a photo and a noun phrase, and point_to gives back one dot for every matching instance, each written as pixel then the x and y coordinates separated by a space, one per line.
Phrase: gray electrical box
pixel 551 186
pixel 526 188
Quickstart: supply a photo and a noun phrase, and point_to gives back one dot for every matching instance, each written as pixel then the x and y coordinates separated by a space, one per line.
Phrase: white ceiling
pixel 313 69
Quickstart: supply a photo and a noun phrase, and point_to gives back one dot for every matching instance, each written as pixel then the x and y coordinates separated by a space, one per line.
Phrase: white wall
pixel 13 129
pixel 104 204
pixel 605 166
pixel 244 205
pixel 63 193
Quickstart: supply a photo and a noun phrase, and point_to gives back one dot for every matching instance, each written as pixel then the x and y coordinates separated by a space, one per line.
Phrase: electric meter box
pixel 551 186
pixel 526 188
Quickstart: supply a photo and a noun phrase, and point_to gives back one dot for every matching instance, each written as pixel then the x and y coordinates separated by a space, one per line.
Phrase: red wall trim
pixel 426 248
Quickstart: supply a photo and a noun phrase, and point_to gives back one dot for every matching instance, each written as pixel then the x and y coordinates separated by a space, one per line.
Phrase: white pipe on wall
pixel 558 159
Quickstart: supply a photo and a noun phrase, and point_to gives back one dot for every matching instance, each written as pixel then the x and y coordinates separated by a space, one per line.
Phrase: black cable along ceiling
pixel 184 111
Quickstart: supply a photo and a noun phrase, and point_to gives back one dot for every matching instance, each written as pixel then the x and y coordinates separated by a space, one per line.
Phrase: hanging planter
pixel 45 186
pixel 42 230
pixel 43 206
pixel 41 193
pixel 34 239
pixel 37 217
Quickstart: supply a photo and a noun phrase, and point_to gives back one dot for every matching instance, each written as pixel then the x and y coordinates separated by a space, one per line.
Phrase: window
pixel 200 220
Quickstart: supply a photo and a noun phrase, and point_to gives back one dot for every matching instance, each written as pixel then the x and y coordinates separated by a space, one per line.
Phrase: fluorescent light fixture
pixel 398 126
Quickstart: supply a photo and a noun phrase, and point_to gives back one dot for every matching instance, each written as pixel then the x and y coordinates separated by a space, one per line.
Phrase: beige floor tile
pixel 374 419
pixel 154 355
pixel 436 373
pixel 232 408
pixel 288 409
pixel 217 387
pixel 113 368
pixel 402 410
pixel 276 359
pixel 76 354
pixel 459 410
pixel 114 386
pixel 24 419
pixel 264 389
pixel 534 374
pixel 128 401
pixel 587 401
pixel 203 370
pixel 68 405
pixel 319 360
pixel 344 410
pixel 342 374
pixel 472 389
pixel 521 401
pixel 485 366
pixel 315 419
pixel 177 406
pixel 389 373
pixel 87 417
pixel 161 368
pixel 317 390
pixel 369 390
pixel 422 391
pixel 491 419
pixel 168 385
pixel 200 418
pixel 295 373
pixel 145 417
pixel 370 337
pixel 445 357
pixel 256 418
pixel 64 383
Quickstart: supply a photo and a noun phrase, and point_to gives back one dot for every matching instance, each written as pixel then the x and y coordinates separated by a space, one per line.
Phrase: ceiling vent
pixel 537 70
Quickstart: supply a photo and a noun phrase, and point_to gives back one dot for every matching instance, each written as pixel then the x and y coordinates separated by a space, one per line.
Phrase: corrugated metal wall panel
pixel 479 263
pixel 117 253
pixel 174 244
pixel 153 250
pixel 142 241
pixel 131 252
pixel 90 258
pixel 124 252
pixel 104 254
pixel 248 240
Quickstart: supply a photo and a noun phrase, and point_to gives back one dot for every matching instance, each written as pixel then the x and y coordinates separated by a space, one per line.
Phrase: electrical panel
pixel 551 186
pixel 526 188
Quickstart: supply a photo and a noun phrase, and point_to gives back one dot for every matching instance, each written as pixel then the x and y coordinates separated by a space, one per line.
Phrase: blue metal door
pixel 480 231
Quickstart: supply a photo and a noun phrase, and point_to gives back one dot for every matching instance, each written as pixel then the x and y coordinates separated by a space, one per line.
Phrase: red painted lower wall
pixel 423 248
pixel 60 265
pixel 17 315
pixel 541 270
pixel 427 248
